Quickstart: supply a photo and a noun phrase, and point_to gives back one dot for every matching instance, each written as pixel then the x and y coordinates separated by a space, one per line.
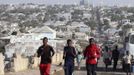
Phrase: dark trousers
pixel 128 69
pixel 91 69
pixel 115 64
pixel 69 68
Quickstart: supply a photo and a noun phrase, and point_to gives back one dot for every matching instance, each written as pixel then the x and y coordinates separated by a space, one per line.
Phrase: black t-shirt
pixel 46 53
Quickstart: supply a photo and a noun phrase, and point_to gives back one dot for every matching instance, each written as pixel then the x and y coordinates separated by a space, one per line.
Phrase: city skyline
pixel 93 2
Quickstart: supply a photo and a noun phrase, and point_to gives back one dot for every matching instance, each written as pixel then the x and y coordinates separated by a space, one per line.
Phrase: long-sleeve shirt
pixel 46 53
pixel 92 53
pixel 69 54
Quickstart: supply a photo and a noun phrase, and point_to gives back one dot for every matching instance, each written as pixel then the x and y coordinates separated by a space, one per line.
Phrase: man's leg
pixel 88 67
pixel 106 67
pixel 47 71
pixel 66 69
pixel 42 69
pixel 93 69
pixel 115 64
pixel 71 69
pixel 130 69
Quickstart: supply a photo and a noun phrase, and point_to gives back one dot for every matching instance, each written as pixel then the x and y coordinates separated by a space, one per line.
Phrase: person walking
pixel 46 53
pixel 115 57
pixel 127 62
pixel 79 59
pixel 107 57
pixel 91 53
pixel 69 56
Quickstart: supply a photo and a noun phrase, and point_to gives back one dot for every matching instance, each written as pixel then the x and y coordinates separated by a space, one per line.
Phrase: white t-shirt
pixel 127 59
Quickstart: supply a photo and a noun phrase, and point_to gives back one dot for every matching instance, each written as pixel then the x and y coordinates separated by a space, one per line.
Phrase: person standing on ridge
pixel 115 57
pixel 107 57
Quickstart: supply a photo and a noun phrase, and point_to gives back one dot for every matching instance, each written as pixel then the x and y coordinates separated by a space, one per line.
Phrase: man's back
pixel 115 54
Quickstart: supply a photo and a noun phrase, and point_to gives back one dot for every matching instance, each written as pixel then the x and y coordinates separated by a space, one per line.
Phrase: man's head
pixel 127 52
pixel 69 42
pixel 45 40
pixel 116 47
pixel 91 41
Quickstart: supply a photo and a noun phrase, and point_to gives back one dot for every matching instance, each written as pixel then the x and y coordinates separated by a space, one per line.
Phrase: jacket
pixel 92 53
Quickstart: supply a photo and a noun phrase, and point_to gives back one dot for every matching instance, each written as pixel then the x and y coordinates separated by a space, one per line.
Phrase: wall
pixel 1 64
pixel 20 63
pixel 57 58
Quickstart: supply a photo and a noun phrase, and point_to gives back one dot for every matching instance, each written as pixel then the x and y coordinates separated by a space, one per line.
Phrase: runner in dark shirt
pixel 45 52
pixel 69 56
pixel 115 57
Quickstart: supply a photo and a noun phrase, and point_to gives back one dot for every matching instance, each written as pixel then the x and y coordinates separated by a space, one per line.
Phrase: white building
pixel 80 27
pixel 28 44
pixel 60 23
pixel 44 31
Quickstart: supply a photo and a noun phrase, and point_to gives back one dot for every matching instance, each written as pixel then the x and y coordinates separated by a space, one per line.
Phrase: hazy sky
pixel 95 2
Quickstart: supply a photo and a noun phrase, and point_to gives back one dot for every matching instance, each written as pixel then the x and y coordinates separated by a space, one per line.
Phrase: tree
pixel 91 24
pixel 14 33
pixel 106 22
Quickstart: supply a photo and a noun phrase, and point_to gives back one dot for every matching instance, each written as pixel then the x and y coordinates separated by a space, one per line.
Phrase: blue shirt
pixel 70 54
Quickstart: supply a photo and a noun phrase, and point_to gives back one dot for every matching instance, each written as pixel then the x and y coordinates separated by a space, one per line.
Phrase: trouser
pixel 91 69
pixel 115 64
pixel 45 69
pixel 69 68
pixel 128 68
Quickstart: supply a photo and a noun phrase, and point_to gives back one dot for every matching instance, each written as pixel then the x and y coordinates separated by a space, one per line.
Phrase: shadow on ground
pixel 101 69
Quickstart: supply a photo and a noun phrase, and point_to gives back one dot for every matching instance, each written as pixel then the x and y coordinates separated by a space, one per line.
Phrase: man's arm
pixel 64 53
pixel 112 54
pixel 53 52
pixel 98 52
pixel 118 54
pixel 85 52
pixel 74 52
pixel 39 52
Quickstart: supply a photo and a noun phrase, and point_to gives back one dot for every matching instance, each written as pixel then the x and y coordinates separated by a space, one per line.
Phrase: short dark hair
pixel 91 39
pixel 116 46
pixel 69 40
pixel 45 38
pixel 79 52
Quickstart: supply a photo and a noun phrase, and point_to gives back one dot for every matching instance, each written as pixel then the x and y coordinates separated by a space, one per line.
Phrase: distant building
pixel 44 31
pixel 84 2
pixel 28 43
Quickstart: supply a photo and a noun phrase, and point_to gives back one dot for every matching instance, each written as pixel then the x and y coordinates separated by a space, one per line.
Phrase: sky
pixel 94 2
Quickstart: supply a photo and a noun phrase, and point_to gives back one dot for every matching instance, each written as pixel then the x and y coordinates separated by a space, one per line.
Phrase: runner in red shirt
pixel 91 53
